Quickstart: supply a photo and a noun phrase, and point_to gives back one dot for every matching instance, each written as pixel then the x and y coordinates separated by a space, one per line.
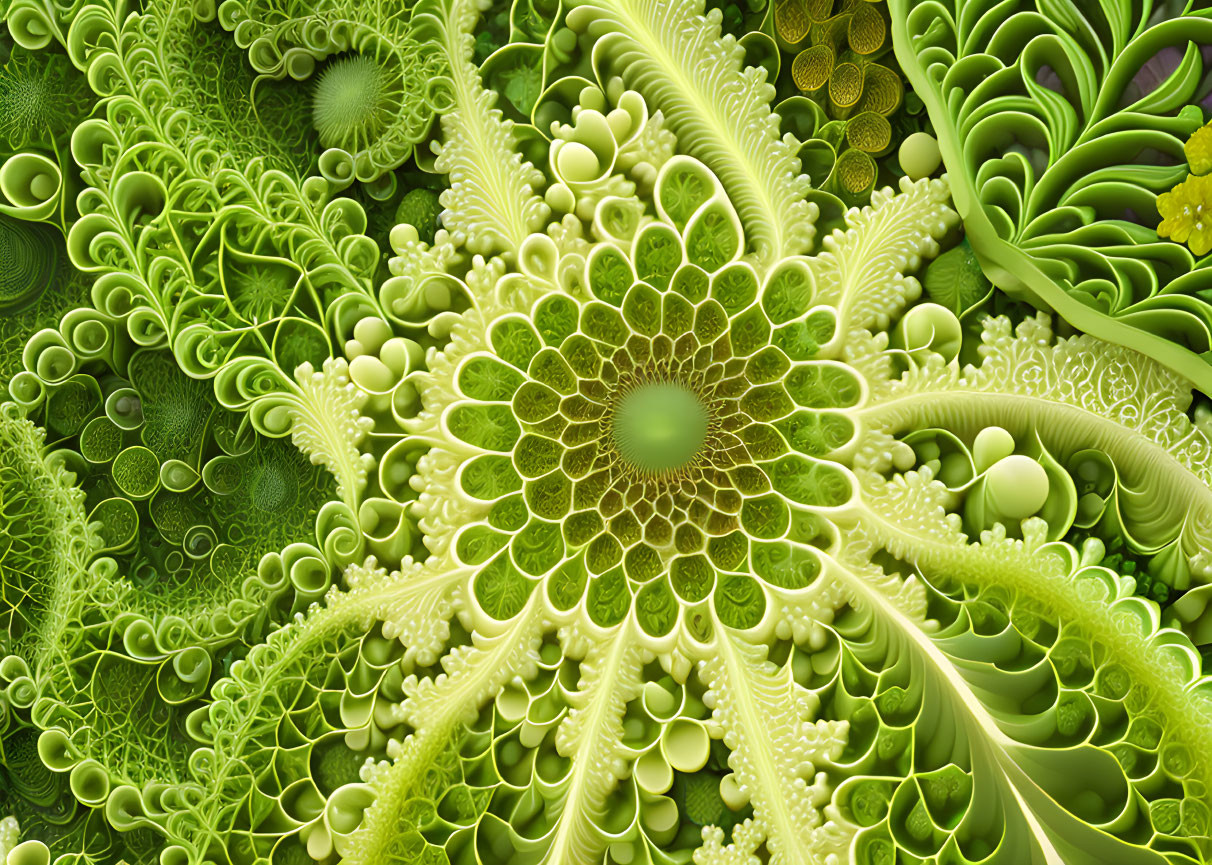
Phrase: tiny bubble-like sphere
pixel 348 102
pixel 659 426
pixel 1017 486
pixel 919 155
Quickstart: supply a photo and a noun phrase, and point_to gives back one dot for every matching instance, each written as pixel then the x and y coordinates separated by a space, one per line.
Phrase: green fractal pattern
pixel 606 432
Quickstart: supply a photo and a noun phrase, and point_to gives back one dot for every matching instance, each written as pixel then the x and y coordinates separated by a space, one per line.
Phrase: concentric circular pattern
pixel 662 439
pixel 29 260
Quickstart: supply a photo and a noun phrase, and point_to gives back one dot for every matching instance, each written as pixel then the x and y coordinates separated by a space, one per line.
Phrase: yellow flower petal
pixel 1186 212
pixel 1199 150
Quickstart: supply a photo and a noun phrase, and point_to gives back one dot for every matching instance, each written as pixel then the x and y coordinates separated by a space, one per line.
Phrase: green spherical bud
pixel 919 155
pixel 990 445
pixel 576 162
pixel 930 327
pixel 660 426
pixel 1017 486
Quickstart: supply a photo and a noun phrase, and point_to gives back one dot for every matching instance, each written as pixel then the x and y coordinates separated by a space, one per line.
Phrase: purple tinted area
pixel 1046 76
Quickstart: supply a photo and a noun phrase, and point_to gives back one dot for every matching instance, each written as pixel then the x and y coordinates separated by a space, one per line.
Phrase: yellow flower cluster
pixel 1186 210
pixel 1198 150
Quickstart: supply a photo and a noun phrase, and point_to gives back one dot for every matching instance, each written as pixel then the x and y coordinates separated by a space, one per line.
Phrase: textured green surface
pixel 605 431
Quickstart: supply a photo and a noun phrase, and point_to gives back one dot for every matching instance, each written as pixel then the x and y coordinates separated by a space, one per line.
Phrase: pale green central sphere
pixel 659 427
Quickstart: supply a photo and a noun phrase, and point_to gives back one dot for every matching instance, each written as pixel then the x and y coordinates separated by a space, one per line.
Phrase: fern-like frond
pixel 673 54
pixel 491 205
pixel 328 425
pixel 862 271
pixel 765 718
pixel 591 736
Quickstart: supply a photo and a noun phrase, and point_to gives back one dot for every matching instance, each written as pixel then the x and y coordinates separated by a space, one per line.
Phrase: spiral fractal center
pixel 660 426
